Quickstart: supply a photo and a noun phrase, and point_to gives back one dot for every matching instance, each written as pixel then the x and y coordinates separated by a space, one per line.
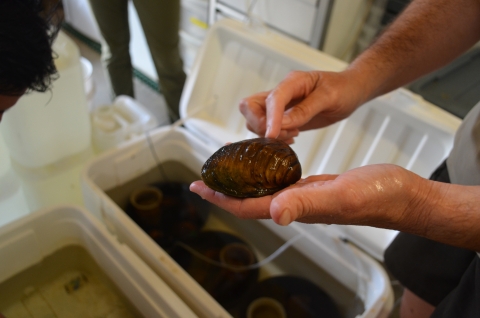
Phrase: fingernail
pixel 267 131
pixel 285 218
pixel 193 187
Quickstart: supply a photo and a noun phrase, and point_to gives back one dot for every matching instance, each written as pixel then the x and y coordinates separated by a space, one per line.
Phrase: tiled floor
pixel 145 95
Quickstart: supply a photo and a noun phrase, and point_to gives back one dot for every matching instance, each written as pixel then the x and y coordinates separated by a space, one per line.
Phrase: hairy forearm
pixel 444 212
pixel 425 37
pixel 389 196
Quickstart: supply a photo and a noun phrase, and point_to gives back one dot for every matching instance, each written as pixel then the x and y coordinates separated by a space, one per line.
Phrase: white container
pixel 12 199
pixel 26 243
pixel 122 120
pixel 349 268
pixel 43 128
pixel 234 62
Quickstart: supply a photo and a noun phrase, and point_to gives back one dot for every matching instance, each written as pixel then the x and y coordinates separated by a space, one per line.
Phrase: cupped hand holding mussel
pixel 375 195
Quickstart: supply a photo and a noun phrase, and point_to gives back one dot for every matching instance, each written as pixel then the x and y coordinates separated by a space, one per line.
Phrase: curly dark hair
pixel 26 56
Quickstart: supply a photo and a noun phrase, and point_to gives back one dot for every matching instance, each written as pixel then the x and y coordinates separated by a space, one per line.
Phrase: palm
pixel 359 196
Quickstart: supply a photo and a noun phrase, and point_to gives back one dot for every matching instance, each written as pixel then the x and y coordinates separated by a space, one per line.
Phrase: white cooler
pixel 91 274
pixel 234 62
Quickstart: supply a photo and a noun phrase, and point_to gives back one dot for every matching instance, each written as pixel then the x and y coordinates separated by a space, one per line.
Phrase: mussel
pixel 252 168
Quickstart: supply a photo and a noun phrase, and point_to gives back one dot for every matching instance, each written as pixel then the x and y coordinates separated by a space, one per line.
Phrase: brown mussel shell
pixel 252 168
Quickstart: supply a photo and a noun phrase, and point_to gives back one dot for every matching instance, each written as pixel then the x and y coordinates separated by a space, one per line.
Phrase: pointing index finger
pixel 276 102
pixel 294 86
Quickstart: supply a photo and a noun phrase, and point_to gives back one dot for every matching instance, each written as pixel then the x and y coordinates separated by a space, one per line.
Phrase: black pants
pixel 432 270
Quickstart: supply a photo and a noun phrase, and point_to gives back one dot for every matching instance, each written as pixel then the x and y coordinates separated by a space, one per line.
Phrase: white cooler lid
pixel 236 61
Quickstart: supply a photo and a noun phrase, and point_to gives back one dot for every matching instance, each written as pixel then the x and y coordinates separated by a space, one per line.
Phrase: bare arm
pixel 426 36
pixel 451 214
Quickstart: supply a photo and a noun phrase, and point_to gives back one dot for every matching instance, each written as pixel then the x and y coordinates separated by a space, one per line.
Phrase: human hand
pixel 374 195
pixel 303 101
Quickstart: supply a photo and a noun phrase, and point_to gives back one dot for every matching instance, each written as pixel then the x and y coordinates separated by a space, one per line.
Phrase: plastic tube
pixel 263 262
pixel 361 289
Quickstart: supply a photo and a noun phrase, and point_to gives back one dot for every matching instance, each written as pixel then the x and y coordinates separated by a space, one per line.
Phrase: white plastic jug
pixel 122 120
pixel 43 128
pixel 12 200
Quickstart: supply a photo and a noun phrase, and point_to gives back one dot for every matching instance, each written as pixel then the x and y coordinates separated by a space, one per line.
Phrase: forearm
pixel 444 212
pixel 425 37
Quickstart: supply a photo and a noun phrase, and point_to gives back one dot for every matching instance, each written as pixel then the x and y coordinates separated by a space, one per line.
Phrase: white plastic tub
pixel 12 200
pixel 28 281
pixel 44 128
pixel 236 61
pixel 350 268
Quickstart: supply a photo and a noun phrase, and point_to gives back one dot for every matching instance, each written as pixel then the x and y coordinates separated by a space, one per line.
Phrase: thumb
pixel 312 203
pixel 289 205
